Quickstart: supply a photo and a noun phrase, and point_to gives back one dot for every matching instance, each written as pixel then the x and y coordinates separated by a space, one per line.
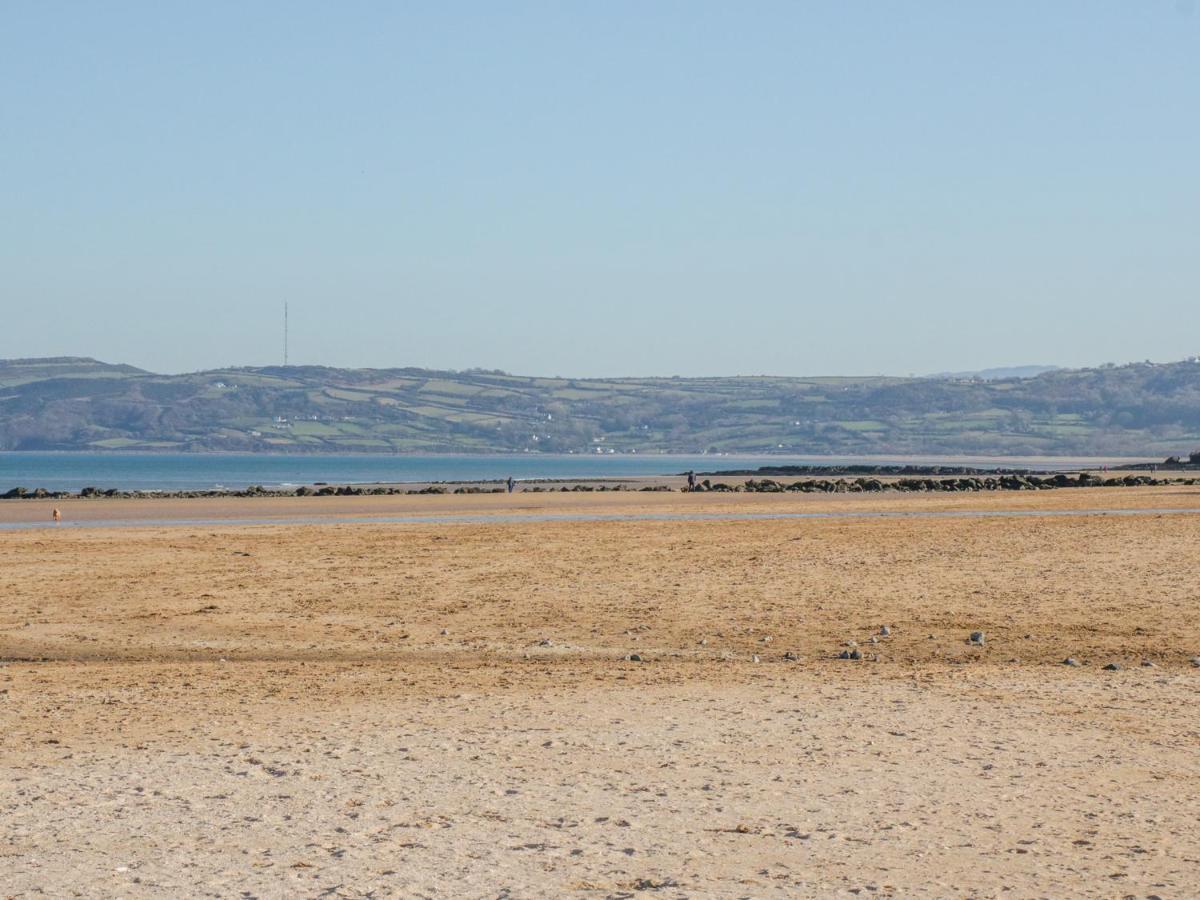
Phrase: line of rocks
pixel 909 485
pixel 257 490
pixel 753 486
pixel 863 469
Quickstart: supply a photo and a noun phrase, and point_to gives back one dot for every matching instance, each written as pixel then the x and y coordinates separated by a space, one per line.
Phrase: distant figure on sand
pixel 56 515
pixel 510 484
pixel 691 480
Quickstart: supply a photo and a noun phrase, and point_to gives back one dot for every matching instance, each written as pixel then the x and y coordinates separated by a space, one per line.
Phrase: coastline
pixel 911 481
pixel 179 471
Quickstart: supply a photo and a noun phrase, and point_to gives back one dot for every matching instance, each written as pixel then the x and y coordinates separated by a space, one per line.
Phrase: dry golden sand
pixel 445 709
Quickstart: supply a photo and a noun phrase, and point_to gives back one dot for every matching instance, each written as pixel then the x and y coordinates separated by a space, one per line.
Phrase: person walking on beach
pixel 691 480
pixel 510 483
pixel 56 516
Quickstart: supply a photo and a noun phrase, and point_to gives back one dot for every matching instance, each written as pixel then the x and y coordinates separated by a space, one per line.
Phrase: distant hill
pixel 83 404
pixel 1000 373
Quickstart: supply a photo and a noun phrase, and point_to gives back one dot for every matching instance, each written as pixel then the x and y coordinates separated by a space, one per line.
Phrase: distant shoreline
pixel 190 472
pixel 903 480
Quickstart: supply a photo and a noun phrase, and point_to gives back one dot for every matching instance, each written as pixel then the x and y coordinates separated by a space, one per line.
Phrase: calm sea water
pixel 196 471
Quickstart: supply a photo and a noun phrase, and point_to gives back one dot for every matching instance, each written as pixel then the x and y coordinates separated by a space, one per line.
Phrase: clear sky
pixel 616 188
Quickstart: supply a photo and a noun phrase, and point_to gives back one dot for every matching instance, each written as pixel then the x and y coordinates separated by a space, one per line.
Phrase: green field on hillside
pixel 68 403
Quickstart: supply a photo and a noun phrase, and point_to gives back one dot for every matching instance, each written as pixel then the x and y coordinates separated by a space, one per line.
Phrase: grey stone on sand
pixel 850 654
pixel 1113 667
pixel 978 638
pixel 634 657
pixel 1072 661
pixel 885 631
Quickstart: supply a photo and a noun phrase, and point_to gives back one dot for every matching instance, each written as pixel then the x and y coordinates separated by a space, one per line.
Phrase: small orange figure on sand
pixel 56 515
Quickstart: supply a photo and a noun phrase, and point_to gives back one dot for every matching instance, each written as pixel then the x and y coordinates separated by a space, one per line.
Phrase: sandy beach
pixel 358 708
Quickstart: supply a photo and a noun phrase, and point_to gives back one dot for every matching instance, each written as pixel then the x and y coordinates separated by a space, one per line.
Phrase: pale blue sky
pixel 602 188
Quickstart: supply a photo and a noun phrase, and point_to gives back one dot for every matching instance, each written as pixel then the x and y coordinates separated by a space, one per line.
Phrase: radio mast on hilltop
pixel 285 334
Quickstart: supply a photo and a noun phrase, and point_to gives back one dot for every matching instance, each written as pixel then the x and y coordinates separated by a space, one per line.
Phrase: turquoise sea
pixel 198 471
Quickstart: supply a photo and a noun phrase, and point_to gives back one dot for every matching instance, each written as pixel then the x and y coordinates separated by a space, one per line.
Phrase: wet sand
pixel 448 709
